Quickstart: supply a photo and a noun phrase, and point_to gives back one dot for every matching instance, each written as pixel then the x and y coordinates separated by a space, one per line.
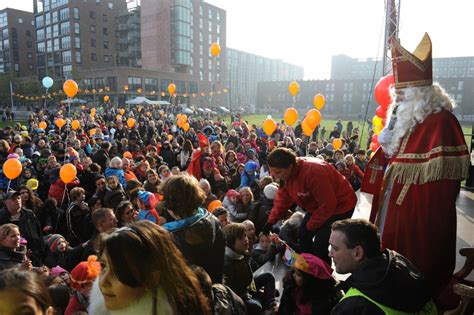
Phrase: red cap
pixel 203 141
pixel 412 69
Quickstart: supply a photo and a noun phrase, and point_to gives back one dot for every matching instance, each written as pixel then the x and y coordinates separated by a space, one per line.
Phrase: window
pixel 151 84
pixel 106 45
pixel 48 31
pixel 93 57
pixel 111 5
pixel 28 33
pixel 40 34
pixel 92 14
pixel 49 46
pixel 93 43
pixel 104 17
pixel 210 26
pixel 92 28
pixel 105 31
pixel 29 55
pixel 65 28
pixel 67 56
pixel 55 17
pixel 78 57
pixel 16 66
pixel 47 19
pixel 40 45
pixel 134 83
pixel 66 42
pixel 55 30
pixel 210 14
pixel 218 16
pixel 20 20
pixel 77 43
pixel 77 28
pixel 107 58
pixel 56 44
pixel 111 82
pixel 64 14
pixel 39 21
pixel 30 66
pixel 67 70
pixel 76 13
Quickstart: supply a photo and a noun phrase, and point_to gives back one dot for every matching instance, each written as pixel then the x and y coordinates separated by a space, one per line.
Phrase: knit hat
pixel 313 266
pixel 250 167
pixel 85 272
pixel 270 191
pixel 57 271
pixel 147 197
pixel 233 193
pixel 52 241
pixel 213 205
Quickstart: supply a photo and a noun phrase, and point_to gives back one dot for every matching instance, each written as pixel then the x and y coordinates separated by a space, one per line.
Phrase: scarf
pixel 187 222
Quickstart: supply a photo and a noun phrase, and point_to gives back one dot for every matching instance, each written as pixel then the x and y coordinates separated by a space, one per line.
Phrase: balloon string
pixel 64 194
pixel 8 187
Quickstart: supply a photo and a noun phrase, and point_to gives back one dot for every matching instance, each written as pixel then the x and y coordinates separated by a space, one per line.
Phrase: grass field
pixel 258 119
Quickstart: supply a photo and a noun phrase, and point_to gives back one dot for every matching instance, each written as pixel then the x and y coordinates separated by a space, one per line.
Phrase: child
pixel 82 277
pixel 60 254
pixel 265 250
pixel 146 204
pixel 248 176
pixel 230 202
pixel 309 288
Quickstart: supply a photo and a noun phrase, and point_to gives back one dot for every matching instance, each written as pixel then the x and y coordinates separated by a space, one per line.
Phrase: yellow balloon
pixel 93 110
pixel 215 49
pixel 43 125
pixel 269 126
pixel 307 130
pixel 83 107
pixel 377 121
pixel 121 111
pixel 12 168
pixel 75 124
pixel 92 132
pixel 171 88
pixel 70 88
pixel 184 117
pixel 186 127
pixel 319 101
pixel 314 118
pixel 291 116
pixel 68 173
pixel 377 129
pixel 337 143
pixel 118 117
pixel 60 123
pixel 131 122
pixel 294 87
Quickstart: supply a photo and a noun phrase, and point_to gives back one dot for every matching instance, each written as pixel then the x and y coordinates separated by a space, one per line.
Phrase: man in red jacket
pixel 318 188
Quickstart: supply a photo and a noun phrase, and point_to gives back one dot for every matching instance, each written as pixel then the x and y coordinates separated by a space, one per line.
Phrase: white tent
pixel 143 100
pixel 73 101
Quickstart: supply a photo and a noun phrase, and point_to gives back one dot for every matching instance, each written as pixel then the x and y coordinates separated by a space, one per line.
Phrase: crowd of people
pixel 162 219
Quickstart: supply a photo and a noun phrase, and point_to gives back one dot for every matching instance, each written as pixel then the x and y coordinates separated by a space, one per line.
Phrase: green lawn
pixel 258 119
pixel 11 123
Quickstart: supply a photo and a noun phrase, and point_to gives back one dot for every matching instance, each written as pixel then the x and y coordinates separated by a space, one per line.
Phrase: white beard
pixel 417 104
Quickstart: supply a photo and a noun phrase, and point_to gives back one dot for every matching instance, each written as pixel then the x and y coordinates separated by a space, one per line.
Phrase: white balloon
pixel 269 116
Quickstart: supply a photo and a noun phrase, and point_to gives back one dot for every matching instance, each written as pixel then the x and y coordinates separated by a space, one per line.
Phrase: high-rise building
pixel 17 42
pixel 76 35
pixel 245 71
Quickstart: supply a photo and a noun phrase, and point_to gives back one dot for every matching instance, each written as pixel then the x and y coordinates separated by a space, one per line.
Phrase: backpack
pixel 226 302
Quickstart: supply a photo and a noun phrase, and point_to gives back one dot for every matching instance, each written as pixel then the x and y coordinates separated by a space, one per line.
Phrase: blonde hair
pixel 6 229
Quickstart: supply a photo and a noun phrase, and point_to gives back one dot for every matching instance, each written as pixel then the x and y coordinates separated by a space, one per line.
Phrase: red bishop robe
pixel 424 177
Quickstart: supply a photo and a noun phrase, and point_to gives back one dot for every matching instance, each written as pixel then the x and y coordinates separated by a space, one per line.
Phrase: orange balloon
pixel 106 98
pixel 291 116
pixel 75 124
pixel 294 87
pixel 213 205
pixel 307 130
pixel 186 127
pixel 319 101
pixel 43 125
pixel 179 116
pixel 128 155
pixel 131 122
pixel 269 126
pixel 215 49
pixel 67 173
pixel 171 88
pixel 12 168
pixel 60 122
pixel 83 107
pixel 180 122
pixel 121 111
pixel 70 88
pixel 314 118
pixel 184 117
pixel 337 143
pixel 92 132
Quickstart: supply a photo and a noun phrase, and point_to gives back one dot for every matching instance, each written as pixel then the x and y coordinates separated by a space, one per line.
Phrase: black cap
pixel 11 194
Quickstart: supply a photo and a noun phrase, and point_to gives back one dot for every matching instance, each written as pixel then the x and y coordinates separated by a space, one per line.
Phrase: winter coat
pixel 113 197
pixel 10 259
pixel 119 173
pixel 238 274
pixel 261 255
pixel 67 260
pixel 317 187
pixel 391 280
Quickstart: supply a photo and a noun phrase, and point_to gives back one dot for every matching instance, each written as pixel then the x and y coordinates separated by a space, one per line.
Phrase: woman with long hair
pixel 143 272
pixel 29 200
pixel 125 213
pixel 186 154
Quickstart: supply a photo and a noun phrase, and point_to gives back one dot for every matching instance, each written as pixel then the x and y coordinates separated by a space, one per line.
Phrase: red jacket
pixel 317 187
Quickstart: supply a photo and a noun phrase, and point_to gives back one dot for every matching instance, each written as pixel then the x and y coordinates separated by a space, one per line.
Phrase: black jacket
pixel 203 244
pixel 101 157
pixel 67 260
pixel 30 229
pixel 9 258
pixel 391 280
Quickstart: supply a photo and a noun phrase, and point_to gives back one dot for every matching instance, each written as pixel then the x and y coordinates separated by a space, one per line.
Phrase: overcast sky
pixel 309 32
